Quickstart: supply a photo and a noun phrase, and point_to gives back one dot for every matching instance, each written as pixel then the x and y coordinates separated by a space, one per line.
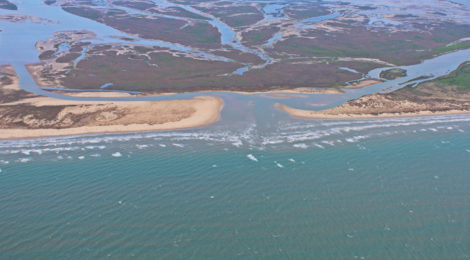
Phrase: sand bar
pixel 363 83
pixel 115 117
pixel 328 114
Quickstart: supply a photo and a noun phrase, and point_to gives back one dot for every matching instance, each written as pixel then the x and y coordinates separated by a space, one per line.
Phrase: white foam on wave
pixel 116 154
pixel 330 143
pixel 291 160
pixel 355 139
pixel 40 151
pixel 270 141
pixel 298 134
pixel 10 151
pixel 279 165
pixel 467 150
pixel 361 147
pixel 237 143
pixel 24 160
pixel 95 147
pixel 301 146
pixel 81 157
pixel 4 162
pixel 252 157
pixel 319 146
pixel 29 152
pixel 141 146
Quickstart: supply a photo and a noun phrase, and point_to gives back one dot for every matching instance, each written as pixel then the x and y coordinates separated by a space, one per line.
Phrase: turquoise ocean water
pixel 255 185
pixel 364 189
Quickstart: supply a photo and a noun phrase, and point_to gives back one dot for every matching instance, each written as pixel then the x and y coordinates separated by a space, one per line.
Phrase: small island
pixel 392 74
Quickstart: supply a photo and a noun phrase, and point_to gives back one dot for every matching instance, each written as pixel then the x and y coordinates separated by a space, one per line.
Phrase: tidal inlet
pixel 234 129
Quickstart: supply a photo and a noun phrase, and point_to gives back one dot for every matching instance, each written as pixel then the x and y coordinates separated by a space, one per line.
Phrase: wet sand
pixel 363 83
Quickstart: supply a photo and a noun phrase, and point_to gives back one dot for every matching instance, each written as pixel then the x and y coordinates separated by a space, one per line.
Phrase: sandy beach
pixel 396 104
pixel 112 117
pixel 326 114
pixel 25 115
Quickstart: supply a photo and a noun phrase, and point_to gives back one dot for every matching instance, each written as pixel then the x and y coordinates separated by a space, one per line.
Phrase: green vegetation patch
pixel 47 55
pixel 178 11
pixel 202 33
pixel 355 40
pixel 453 47
pixel 259 36
pixel 459 77
pixel 103 68
pixel 392 74
pixel 84 12
pixel 164 72
pixel 306 11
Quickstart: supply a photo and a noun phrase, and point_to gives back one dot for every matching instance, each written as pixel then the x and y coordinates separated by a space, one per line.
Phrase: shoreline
pixel 205 110
pixel 363 83
pixel 312 114
pixel 117 94
pixel 28 115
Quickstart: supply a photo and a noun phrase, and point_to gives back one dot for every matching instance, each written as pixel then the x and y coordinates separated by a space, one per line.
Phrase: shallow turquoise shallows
pixel 365 189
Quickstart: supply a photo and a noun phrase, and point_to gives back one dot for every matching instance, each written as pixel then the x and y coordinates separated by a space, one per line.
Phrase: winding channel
pixel 23 36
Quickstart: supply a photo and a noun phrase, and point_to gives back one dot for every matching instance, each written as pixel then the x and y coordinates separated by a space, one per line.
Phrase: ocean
pixel 255 185
pixel 395 188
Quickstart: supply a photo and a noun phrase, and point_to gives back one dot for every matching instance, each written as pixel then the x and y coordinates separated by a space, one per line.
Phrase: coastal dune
pixel 62 117
pixel 27 115
pixel 382 106
pixel 449 94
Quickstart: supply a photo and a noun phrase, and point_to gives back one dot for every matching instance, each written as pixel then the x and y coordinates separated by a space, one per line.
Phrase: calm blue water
pixel 462 2
pixel 313 20
pixel 367 189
